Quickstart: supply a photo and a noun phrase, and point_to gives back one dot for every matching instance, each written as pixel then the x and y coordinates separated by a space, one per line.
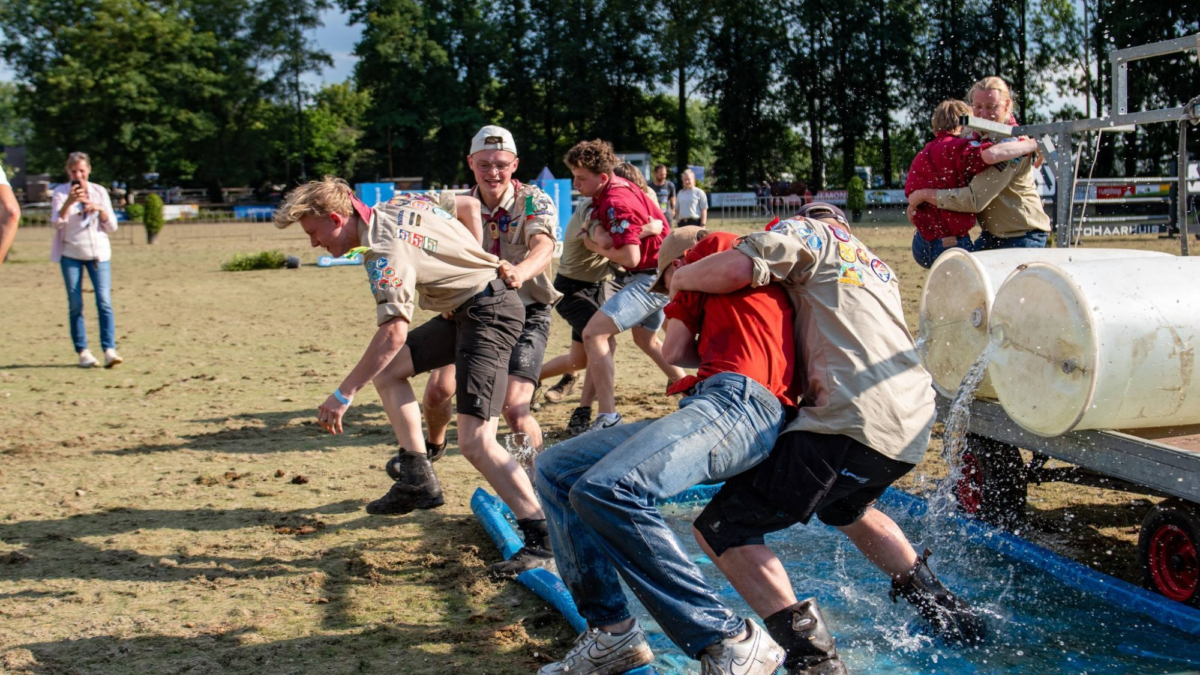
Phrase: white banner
pixel 177 211
pixel 722 200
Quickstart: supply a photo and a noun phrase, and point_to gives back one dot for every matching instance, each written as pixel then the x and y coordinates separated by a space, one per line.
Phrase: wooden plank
pixel 1140 461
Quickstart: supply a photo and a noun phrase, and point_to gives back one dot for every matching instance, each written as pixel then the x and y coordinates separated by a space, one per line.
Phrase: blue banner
pixel 374 193
pixel 559 190
pixel 254 212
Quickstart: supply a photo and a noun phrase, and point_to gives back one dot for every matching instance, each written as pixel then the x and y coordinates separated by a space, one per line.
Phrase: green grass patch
pixel 265 260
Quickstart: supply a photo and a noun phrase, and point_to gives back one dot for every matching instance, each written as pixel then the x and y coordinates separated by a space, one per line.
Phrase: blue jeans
pixel 101 276
pixel 600 489
pixel 925 252
pixel 635 305
pixel 1031 239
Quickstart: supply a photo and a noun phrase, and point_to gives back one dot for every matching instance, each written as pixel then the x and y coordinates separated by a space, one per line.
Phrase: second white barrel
pixel 956 304
pixel 1098 345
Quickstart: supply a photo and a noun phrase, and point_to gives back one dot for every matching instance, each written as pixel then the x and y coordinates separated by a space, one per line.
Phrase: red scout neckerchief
pixel 500 221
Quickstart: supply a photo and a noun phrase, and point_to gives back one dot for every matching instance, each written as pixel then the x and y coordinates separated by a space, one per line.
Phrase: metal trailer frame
pixel 1162 462
pixel 1062 157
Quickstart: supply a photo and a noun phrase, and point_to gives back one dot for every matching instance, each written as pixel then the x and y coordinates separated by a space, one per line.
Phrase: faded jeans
pixel 600 489
pixel 101 275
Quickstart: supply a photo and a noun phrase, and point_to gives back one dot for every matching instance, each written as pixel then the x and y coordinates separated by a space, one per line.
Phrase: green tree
pixel 335 127
pixel 114 78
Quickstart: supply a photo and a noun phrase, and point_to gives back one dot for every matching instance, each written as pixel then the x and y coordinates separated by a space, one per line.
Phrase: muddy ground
pixel 182 513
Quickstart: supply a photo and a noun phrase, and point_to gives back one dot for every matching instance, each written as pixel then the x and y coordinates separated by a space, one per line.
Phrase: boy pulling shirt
pixel 623 210
pixel 747 332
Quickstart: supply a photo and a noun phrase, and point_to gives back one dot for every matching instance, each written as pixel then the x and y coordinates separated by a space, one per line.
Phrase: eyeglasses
pixel 498 167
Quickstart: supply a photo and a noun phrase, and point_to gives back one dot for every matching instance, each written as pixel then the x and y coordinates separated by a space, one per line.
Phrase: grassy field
pixel 182 513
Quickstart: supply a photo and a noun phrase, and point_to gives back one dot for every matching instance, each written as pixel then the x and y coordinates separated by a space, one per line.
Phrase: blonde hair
pixel 634 175
pixel 994 83
pixel 945 116
pixel 687 173
pixel 315 198
pixel 75 158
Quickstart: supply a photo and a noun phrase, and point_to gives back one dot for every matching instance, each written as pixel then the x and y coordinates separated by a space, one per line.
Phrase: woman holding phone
pixel 83 217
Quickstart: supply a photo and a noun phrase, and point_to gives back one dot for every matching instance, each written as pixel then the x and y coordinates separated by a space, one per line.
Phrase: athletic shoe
pixel 606 421
pixel 416 488
pixel 599 653
pixel 564 388
pixel 86 360
pixel 112 358
pixel 757 654
pixel 528 558
pixel 581 421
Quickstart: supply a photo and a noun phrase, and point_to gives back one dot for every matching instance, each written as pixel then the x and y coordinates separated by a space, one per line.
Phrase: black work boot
pixel 433 451
pixel 950 617
pixel 436 451
pixel 801 630
pixel 416 487
pixel 581 421
pixel 535 553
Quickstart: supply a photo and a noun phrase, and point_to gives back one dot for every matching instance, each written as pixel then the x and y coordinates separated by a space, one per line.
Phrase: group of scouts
pixel 808 397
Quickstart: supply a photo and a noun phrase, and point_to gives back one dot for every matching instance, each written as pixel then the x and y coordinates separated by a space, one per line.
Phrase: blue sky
pixel 338 39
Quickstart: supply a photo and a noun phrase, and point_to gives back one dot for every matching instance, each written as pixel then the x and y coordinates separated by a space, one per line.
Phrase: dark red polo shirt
pixel 747 332
pixel 945 162
pixel 623 210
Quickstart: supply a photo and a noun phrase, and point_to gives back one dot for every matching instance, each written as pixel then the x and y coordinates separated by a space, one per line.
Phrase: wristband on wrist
pixel 342 398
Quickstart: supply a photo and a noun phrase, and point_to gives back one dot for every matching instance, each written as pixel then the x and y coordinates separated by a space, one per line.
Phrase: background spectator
pixel 693 203
pixel 83 217
pixel 665 191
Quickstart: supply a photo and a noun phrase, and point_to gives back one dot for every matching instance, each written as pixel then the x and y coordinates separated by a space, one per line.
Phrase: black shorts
pixel 835 477
pixel 580 302
pixel 527 355
pixel 479 341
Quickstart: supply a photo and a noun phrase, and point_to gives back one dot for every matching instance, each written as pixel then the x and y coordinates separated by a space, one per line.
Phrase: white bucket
pixel 1098 345
pixel 957 303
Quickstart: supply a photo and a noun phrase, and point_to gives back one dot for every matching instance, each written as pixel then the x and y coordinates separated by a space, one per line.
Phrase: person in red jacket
pixel 951 160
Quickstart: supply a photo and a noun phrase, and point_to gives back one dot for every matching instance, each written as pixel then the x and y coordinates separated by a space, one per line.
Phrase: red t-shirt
pixel 946 162
pixel 747 332
pixel 623 209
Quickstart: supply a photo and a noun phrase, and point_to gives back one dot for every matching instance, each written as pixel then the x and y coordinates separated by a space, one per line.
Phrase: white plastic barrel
pixel 1099 345
pixel 957 302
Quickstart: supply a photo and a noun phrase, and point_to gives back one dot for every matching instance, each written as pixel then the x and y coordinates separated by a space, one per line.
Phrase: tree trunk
pixel 683 131
pixel 1022 96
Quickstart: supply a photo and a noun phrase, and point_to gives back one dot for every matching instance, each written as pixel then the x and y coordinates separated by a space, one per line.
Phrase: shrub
pixel 135 211
pixel 266 260
pixel 152 217
pixel 856 194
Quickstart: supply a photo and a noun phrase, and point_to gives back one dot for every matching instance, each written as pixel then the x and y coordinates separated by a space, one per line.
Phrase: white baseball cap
pixel 493 137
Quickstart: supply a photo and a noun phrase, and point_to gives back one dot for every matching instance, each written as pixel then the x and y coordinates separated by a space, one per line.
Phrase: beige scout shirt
pixel 577 262
pixel 416 245
pixel 862 376
pixel 529 211
pixel 1006 202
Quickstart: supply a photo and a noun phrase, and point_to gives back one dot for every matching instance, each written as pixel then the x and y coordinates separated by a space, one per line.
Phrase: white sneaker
pixel 112 358
pixel 606 421
pixel 86 360
pixel 758 654
pixel 599 653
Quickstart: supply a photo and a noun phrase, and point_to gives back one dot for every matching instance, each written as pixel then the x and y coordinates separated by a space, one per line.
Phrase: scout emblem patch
pixel 382 276
pixel 841 234
pixel 442 213
pixel 851 274
pixel 862 256
pixel 881 270
pixel 846 252
pixel 814 242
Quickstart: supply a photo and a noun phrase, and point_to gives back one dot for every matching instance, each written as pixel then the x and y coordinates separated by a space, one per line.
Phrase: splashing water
pixel 958 425
pixel 520 446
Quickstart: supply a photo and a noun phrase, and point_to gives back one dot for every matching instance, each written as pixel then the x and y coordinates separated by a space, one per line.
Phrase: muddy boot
pixel 950 617
pixel 581 421
pixel 801 630
pixel 416 488
pixel 436 451
pixel 535 553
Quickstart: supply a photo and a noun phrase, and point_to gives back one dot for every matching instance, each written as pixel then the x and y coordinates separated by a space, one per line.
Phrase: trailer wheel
pixel 993 486
pixel 1167 544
